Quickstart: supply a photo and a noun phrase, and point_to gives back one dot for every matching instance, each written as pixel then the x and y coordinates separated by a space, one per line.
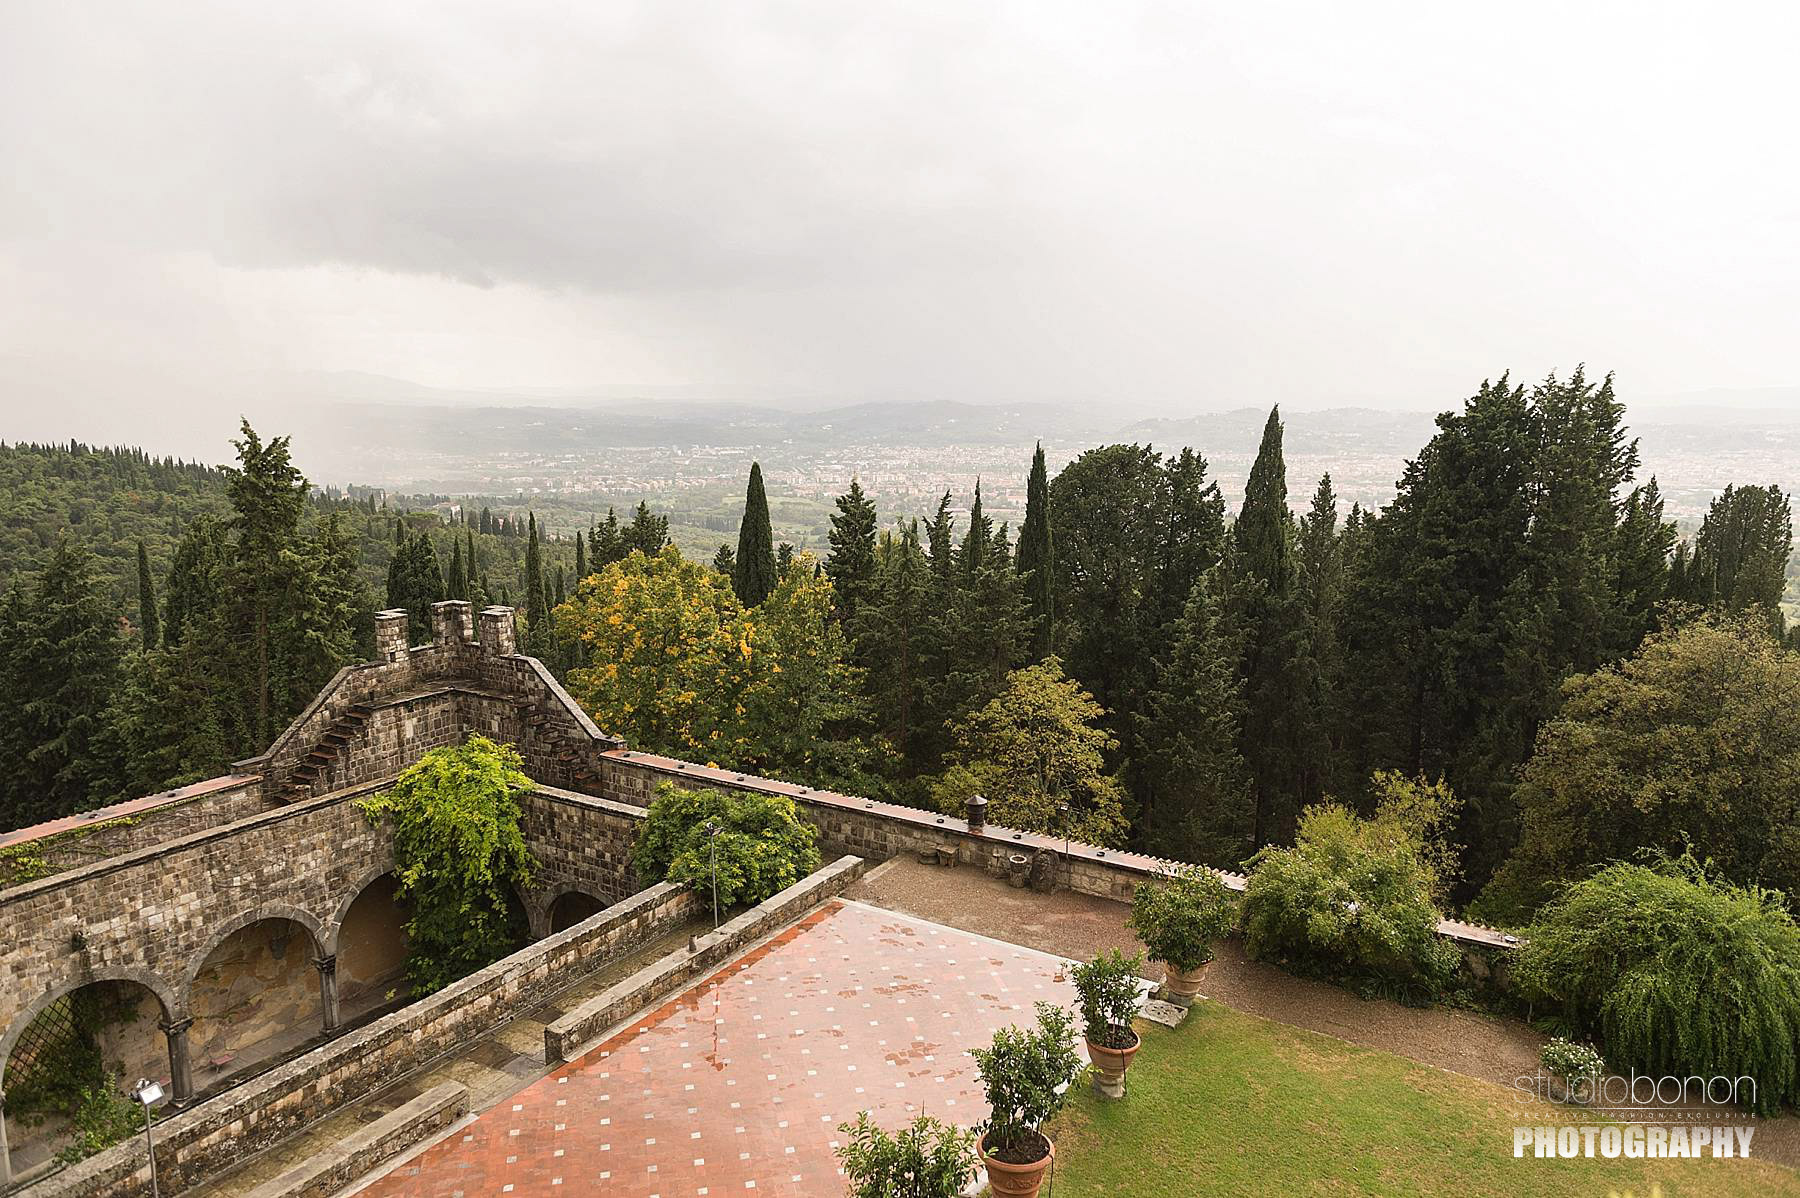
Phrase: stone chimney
pixel 498 636
pixel 452 623
pixel 390 635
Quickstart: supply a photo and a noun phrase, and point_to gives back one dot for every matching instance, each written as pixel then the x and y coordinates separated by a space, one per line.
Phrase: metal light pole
pixel 712 840
pixel 1062 810
pixel 146 1093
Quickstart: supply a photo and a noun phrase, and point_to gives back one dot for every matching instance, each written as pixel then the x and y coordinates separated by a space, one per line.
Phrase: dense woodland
pixel 1520 629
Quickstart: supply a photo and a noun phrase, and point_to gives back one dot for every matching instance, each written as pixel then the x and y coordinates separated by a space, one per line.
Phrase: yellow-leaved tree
pixel 678 666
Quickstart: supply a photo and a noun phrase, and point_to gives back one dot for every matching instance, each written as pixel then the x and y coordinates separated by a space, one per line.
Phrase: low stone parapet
pixel 364 1150
pixel 564 1038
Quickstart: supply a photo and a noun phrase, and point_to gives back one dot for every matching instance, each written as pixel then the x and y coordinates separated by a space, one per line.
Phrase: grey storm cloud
pixel 1176 205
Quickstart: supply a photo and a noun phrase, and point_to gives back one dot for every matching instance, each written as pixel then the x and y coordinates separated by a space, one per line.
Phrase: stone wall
pixel 582 844
pixel 44 850
pixel 850 824
pixel 365 1149
pixel 374 719
pixel 221 1132
pixel 154 916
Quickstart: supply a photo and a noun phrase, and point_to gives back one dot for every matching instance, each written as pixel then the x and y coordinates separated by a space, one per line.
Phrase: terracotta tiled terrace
pixel 739 1085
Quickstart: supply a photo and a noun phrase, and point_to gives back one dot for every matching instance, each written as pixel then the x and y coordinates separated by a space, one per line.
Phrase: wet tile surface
pixel 738 1086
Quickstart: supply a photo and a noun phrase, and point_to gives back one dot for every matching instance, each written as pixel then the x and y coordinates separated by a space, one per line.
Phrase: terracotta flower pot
pixel 1110 1065
pixel 1017 1181
pixel 1182 986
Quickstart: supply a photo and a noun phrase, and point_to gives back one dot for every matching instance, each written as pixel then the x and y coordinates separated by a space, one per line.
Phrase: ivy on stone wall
pixel 22 863
pixel 461 858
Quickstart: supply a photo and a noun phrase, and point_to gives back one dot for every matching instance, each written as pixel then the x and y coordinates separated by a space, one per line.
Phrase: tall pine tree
pixel 851 562
pixel 149 626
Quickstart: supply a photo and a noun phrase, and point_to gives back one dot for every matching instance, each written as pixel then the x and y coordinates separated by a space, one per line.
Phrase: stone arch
pixel 328 944
pixel 368 945
pixel 148 979
pixel 567 905
pixel 238 923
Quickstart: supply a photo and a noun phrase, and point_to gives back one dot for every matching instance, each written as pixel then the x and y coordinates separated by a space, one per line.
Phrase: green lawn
pixel 1233 1104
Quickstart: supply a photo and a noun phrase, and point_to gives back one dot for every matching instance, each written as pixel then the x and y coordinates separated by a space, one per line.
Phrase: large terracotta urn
pixel 1182 986
pixel 1017 1181
pixel 1110 1065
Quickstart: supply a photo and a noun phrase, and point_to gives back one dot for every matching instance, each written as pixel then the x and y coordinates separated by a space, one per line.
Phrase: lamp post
pixel 712 841
pixel 146 1093
pixel 1062 811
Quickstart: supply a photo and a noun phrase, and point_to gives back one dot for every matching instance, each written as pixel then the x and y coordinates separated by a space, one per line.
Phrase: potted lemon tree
pixel 1107 989
pixel 929 1159
pixel 1179 917
pixel 1026 1073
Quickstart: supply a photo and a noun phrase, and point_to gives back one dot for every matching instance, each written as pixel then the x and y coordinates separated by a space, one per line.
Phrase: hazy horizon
pixel 1149 209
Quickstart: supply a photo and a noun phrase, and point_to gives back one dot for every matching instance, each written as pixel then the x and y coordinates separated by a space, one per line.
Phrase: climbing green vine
pixel 459 853
pixel 22 863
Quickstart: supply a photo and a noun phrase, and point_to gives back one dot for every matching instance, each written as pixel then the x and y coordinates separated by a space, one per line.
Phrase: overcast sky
pixel 1168 207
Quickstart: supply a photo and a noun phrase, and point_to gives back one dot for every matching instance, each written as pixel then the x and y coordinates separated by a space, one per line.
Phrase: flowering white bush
pixel 1569 1060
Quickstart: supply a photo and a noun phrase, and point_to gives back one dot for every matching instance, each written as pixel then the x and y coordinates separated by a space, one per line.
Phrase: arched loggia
pixel 112 1029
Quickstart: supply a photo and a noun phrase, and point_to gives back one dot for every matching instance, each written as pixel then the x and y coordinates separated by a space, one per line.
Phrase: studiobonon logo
pixel 1639 1116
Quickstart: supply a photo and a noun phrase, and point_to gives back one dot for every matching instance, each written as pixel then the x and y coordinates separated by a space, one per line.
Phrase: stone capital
pixel 177 1026
pixel 325 964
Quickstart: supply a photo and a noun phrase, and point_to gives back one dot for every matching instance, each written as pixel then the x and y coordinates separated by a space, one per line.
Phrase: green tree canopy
pixel 461 857
pixel 1693 740
pixel 1035 747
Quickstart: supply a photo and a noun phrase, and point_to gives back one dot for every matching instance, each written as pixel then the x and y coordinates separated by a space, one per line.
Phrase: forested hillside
pixel 1134 665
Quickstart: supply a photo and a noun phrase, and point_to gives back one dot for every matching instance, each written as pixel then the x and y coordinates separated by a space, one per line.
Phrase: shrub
pixel 1107 988
pixel 1027 1073
pixel 460 854
pixel 762 844
pixel 1351 900
pixel 1180 917
pixel 1677 972
pixel 1567 1059
pixel 927 1160
pixel 103 1117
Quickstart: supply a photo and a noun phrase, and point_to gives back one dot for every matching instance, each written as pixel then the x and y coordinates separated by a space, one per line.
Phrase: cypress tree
pixel 1264 530
pixel 148 624
pixel 1280 738
pixel 581 570
pixel 537 601
pixel 456 581
pixel 754 574
pixel 725 560
pixel 851 562
pixel 1035 561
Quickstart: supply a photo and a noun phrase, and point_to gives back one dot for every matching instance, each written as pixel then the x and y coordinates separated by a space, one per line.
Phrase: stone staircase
pixel 567 747
pixel 318 761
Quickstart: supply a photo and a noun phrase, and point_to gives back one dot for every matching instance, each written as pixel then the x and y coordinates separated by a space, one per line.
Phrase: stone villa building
pixel 240 941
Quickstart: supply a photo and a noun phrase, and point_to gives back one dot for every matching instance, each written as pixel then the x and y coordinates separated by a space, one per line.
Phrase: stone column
pixel 181 1070
pixel 498 637
pixel 328 995
pixel 5 1152
pixel 390 635
pixel 452 623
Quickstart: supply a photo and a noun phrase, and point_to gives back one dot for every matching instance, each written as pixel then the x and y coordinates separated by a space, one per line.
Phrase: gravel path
pixel 1079 926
